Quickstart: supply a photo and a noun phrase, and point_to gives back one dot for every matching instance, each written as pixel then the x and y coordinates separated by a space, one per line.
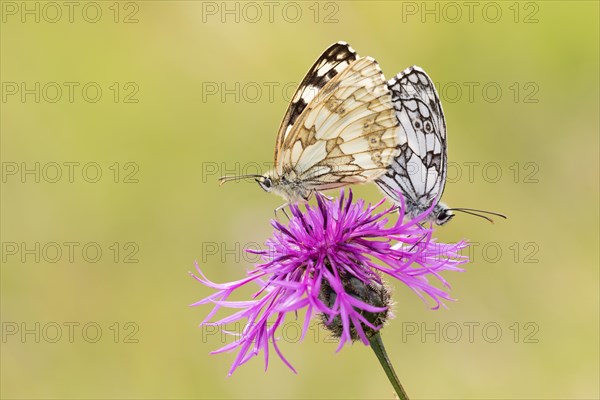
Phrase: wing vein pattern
pixel 419 171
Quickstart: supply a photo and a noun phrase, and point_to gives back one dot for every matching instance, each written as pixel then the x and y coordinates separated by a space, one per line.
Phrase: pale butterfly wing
pixel 419 171
pixel 333 60
pixel 347 133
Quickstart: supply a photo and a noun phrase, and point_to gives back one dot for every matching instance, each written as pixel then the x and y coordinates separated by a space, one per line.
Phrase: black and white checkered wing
pixel 419 171
pixel 333 61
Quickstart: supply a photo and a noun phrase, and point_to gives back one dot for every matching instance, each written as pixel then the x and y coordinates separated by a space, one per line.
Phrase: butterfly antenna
pixel 225 179
pixel 478 213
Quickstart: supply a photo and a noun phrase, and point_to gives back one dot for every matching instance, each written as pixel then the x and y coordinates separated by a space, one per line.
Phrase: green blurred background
pixel 191 91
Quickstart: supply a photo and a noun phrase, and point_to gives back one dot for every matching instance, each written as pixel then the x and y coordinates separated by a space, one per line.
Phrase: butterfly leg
pixel 307 197
pixel 310 194
pixel 330 198
pixel 282 209
pixel 421 239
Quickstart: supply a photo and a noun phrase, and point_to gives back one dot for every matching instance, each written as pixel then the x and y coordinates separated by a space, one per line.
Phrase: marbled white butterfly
pixel 419 171
pixel 340 128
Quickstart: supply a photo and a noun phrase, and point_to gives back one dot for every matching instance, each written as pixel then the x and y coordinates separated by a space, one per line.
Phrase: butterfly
pixel 339 129
pixel 418 173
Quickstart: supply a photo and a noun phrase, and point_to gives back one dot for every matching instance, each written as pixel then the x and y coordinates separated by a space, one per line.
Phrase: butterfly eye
pixel 443 217
pixel 265 183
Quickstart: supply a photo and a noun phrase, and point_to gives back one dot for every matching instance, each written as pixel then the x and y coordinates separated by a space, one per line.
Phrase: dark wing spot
pixel 428 127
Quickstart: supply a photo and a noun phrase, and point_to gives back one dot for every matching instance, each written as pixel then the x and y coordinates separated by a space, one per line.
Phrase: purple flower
pixel 330 259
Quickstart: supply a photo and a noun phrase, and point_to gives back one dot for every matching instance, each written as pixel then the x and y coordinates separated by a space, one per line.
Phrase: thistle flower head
pixel 330 260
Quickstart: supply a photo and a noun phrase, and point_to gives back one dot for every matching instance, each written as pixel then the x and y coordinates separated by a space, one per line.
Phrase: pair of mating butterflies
pixel 346 124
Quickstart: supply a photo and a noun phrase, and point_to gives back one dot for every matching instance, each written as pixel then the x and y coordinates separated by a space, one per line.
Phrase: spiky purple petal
pixel 335 239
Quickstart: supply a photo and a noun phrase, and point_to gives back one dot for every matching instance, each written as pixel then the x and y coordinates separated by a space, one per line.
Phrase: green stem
pixel 379 349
